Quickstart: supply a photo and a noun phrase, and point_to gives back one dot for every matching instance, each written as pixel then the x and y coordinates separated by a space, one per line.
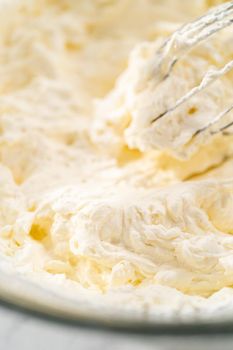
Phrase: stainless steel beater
pixel 173 49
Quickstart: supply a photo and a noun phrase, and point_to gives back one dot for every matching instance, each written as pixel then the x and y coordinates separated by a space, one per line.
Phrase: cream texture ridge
pixel 97 202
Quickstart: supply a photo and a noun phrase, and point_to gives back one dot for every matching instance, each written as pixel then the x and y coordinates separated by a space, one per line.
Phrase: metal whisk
pixel 174 49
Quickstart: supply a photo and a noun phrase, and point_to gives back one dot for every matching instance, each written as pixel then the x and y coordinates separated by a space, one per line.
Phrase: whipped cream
pixel 94 196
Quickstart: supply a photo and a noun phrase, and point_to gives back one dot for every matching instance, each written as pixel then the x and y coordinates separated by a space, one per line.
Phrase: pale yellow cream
pixel 93 197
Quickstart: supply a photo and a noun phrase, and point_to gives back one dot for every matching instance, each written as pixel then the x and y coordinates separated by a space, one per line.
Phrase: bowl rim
pixel 21 295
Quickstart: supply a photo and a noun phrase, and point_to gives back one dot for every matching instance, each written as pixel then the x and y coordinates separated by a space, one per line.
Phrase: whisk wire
pixel 174 48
